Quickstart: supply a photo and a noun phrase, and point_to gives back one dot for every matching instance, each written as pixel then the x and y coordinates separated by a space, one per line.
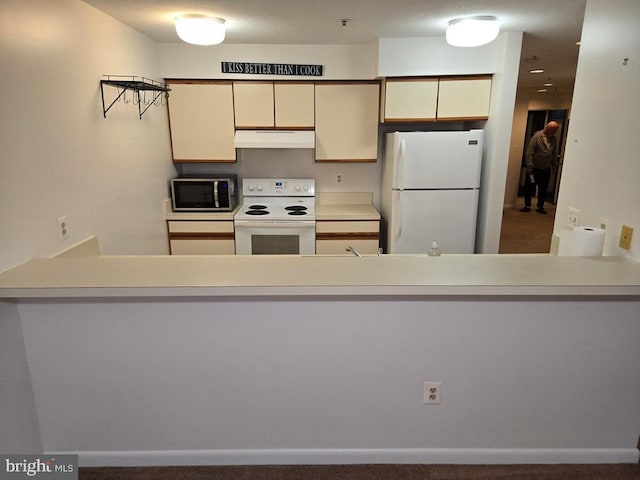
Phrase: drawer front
pixel 347 226
pixel 182 226
pixel 202 247
pixel 337 247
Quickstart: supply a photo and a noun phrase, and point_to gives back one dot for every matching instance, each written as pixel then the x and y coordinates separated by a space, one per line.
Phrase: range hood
pixel 275 139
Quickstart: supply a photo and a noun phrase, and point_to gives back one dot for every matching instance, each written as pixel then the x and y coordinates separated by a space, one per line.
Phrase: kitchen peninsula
pixel 321 275
pixel 174 360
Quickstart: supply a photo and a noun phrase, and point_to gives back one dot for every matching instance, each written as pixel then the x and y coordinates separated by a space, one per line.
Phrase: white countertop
pixel 319 275
pixel 346 212
pixel 169 214
pixel 346 206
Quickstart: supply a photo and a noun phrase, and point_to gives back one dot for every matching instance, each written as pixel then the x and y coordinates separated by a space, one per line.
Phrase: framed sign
pixel 292 69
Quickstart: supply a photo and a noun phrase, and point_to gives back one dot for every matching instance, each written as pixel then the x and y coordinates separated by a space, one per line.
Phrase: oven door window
pixel 275 244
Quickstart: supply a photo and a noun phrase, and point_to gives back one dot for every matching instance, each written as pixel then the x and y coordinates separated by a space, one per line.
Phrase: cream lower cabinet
pixel 201 121
pixel 201 237
pixel 347 122
pixel 333 236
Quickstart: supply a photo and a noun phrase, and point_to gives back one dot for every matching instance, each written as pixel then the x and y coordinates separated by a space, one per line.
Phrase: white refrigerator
pixel 430 190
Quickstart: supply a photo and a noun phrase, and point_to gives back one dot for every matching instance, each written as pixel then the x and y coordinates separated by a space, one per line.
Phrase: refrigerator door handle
pixel 398 195
pixel 398 174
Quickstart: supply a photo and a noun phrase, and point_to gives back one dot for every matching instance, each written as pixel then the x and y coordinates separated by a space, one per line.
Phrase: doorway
pixel 536 120
pixel 531 232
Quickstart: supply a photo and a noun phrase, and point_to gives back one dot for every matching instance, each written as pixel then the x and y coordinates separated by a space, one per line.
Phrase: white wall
pixel 341 62
pixel 601 167
pixel 518 131
pixel 60 156
pixel 287 380
pixel 497 142
pixel 398 57
pixel 19 429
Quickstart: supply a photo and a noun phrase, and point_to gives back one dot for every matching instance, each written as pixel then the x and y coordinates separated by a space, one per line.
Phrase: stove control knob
pixel 260 188
pixel 252 188
pixel 297 188
pixel 306 188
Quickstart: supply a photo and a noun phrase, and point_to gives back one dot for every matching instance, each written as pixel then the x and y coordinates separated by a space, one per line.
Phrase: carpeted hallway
pixel 526 232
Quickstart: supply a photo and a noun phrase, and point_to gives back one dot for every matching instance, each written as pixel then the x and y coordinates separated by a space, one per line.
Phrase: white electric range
pixel 277 217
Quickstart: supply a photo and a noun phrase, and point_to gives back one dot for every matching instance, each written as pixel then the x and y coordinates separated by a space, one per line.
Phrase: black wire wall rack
pixel 158 92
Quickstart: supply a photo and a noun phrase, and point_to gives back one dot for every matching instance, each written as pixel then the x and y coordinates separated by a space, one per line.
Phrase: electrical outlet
pixel 574 217
pixel 604 223
pixel 339 177
pixel 625 237
pixel 432 393
pixel 63 227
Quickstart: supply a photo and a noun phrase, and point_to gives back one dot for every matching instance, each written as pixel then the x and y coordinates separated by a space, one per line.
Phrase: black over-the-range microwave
pixel 203 193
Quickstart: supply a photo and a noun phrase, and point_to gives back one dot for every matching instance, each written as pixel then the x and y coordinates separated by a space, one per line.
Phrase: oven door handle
pixel 216 200
pixel 275 223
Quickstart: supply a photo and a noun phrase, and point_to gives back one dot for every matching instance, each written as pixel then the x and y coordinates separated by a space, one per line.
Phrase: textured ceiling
pixel 551 27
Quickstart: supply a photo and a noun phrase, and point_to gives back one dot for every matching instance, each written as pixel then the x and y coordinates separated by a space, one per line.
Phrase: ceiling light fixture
pixel 200 29
pixel 537 70
pixel 472 31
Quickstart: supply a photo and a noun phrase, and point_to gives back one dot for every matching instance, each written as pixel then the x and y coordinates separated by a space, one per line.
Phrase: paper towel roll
pixel 583 242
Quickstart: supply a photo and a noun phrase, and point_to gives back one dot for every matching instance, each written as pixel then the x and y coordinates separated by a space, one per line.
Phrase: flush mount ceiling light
pixel 472 31
pixel 200 29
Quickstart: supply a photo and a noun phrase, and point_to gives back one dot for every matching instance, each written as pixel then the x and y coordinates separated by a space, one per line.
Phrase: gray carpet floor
pixel 370 472
pixel 526 232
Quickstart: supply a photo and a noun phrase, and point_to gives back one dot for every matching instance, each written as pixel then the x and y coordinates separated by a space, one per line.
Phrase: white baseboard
pixel 355 456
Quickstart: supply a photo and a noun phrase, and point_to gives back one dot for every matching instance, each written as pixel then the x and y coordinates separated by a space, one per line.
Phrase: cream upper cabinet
pixel 347 122
pixel 464 98
pixel 273 105
pixel 410 100
pixel 253 104
pixel 201 120
pixel 294 105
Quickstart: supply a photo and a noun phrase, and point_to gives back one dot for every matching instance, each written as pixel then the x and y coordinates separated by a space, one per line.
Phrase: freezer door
pixel 438 159
pixel 420 217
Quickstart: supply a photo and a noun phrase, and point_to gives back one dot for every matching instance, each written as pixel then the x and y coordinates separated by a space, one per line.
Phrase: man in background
pixel 541 163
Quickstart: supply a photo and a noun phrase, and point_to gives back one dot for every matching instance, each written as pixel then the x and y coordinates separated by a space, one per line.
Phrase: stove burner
pixel 297 212
pixel 296 208
pixel 257 207
pixel 257 212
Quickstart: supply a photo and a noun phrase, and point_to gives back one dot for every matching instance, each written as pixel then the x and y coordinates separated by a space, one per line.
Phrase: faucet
pixel 353 250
